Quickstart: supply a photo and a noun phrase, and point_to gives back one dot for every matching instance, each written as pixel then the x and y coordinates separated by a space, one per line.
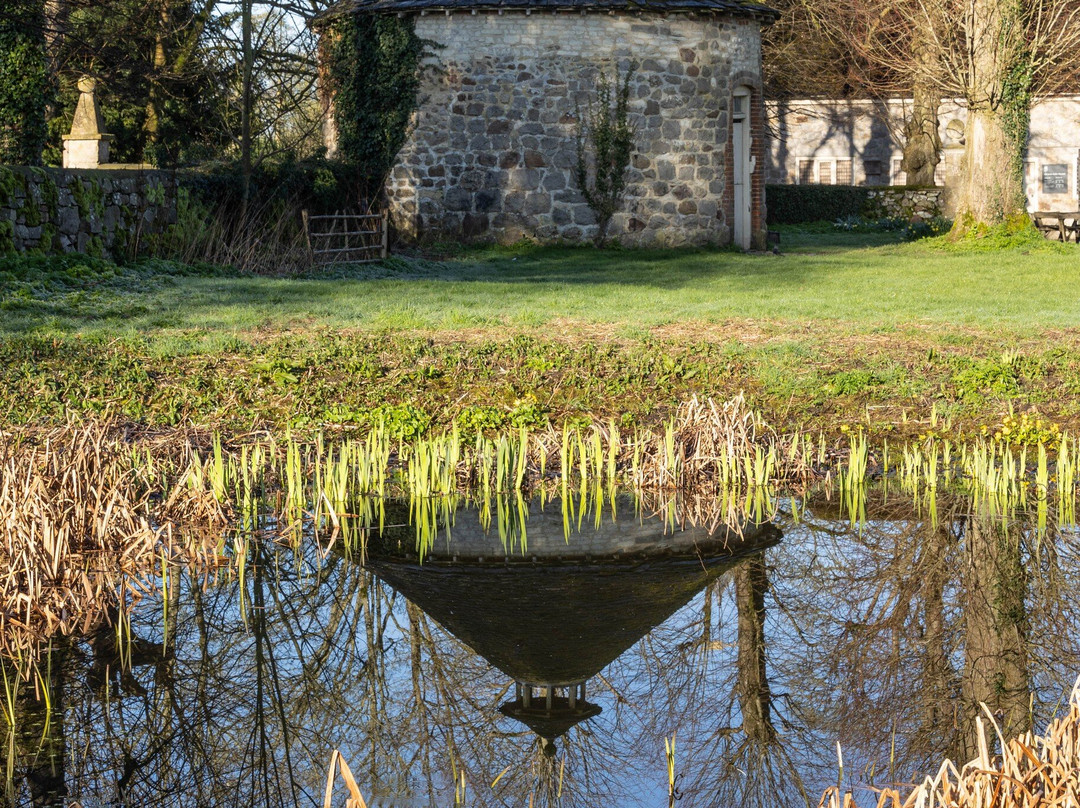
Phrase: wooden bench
pixel 1065 223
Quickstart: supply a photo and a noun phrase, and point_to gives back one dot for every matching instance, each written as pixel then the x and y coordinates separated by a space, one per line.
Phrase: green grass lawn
pixel 839 328
pixel 819 277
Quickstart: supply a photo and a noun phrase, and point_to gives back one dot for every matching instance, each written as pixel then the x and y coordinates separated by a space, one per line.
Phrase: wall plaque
pixel 1055 179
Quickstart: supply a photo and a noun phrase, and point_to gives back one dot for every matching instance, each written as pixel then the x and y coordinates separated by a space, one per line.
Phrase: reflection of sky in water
pixel 326 656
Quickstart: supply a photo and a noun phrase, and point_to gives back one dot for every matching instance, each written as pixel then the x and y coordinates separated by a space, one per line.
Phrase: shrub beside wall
pixel 315 184
pixel 25 85
pixel 799 204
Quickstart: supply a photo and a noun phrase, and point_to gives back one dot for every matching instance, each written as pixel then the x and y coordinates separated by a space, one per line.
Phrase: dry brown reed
pixel 266 238
pixel 1032 771
pixel 92 512
pixel 76 524
pixel 706 433
pixel 83 529
pixel 355 798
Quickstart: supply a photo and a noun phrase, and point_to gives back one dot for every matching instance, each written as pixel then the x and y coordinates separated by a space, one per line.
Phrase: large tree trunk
pixel 995 641
pixel 56 22
pixel 325 90
pixel 990 190
pixel 922 146
pixel 247 91
pixel 155 101
pixel 755 696
pixel 937 732
pixel 992 182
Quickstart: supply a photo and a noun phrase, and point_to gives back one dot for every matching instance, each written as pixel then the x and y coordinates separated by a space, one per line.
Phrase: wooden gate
pixel 346 238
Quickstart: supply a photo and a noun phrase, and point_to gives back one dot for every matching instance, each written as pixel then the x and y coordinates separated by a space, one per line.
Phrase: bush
pixel 316 184
pixel 797 204
pixel 1017 232
pixel 269 236
pixel 25 85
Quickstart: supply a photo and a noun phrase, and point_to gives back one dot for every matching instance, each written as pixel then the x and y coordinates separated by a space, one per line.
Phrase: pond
pixel 551 654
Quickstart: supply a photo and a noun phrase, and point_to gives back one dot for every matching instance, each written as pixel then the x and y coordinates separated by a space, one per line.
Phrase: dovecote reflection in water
pixel 884 636
pixel 551 611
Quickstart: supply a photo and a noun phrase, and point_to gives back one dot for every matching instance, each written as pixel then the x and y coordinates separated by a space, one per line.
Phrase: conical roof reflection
pixel 552 608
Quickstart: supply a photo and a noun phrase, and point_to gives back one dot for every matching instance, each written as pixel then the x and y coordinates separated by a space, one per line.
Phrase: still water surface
pixel 756 652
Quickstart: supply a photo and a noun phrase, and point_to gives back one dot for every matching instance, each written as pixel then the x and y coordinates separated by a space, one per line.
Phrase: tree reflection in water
pixel 884 638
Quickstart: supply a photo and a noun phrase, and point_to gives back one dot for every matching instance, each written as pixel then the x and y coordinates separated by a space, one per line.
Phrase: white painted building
pixel 860 142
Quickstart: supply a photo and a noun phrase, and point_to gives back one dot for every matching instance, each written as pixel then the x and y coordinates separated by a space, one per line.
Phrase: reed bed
pixel 707 448
pixel 93 513
pixel 1032 771
pixel 81 532
pixel 76 527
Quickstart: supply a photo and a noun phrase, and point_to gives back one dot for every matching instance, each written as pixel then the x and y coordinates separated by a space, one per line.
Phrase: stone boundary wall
pixel 908 203
pixel 492 153
pixel 100 212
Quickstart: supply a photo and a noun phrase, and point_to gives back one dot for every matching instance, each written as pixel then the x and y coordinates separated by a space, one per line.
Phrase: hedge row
pixel 317 184
pixel 797 204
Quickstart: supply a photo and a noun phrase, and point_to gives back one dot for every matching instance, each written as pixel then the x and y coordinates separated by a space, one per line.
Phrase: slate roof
pixel 641 6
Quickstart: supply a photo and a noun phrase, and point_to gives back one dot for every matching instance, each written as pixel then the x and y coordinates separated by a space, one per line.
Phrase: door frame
pixel 742 165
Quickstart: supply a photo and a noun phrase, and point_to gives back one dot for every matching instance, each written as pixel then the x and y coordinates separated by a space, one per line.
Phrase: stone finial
pixel 87 146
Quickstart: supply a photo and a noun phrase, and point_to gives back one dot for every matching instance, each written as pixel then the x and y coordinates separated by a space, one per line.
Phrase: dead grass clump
pixel 76 528
pixel 1033 771
pixel 706 431
pixel 716 448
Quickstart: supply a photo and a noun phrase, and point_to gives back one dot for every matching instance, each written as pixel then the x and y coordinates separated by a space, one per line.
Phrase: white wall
pixel 819 135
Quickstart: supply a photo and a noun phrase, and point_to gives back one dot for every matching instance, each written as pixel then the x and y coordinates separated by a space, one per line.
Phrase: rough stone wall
pixel 913 204
pixel 492 153
pixel 98 212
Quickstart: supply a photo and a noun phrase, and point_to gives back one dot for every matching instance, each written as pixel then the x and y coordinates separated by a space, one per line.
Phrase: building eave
pixel 762 13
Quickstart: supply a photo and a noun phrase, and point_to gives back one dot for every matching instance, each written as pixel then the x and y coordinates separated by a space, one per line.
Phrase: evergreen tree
pixel 24 82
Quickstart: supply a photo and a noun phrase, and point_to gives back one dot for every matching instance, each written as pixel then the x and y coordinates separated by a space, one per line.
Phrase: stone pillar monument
pixel 87 146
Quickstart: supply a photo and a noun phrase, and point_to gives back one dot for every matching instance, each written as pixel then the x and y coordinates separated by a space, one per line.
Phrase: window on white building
pixel 898 177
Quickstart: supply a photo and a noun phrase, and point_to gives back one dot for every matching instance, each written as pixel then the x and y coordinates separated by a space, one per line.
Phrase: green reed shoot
pixel 669 753
pixel 10 685
pixel 1066 479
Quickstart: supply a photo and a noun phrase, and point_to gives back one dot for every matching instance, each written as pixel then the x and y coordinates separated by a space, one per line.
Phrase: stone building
pixel 492 151
pixel 860 142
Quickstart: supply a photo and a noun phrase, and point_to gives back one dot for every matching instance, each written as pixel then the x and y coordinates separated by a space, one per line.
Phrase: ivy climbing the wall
pixel 374 74
pixel 24 82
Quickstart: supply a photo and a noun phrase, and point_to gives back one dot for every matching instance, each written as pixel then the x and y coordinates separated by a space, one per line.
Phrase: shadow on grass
pixel 479 286
pixel 540 266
